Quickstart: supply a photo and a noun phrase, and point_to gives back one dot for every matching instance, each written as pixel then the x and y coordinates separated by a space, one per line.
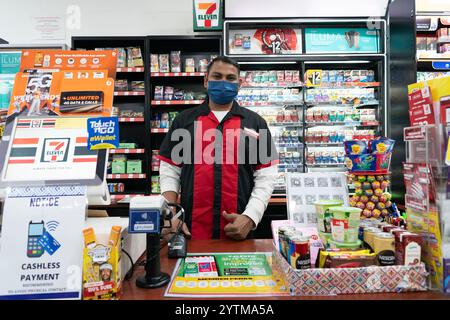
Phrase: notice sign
pixel 421 110
pixel 207 15
pixel 103 133
pixel 41 250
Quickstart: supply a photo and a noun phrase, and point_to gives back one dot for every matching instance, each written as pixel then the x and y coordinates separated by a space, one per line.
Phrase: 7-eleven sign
pixel 55 150
pixel 207 15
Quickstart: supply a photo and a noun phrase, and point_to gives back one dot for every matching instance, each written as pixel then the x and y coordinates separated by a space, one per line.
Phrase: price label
pixel 314 78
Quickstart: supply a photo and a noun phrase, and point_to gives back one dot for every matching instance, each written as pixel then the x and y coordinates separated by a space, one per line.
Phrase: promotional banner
pixel 421 110
pixel 226 275
pixel 10 62
pixel 70 60
pixel 265 41
pixel 341 40
pixel 207 15
pixel 41 250
pixel 103 133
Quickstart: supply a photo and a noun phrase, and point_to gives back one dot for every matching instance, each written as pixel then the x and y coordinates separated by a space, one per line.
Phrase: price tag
pixel 314 78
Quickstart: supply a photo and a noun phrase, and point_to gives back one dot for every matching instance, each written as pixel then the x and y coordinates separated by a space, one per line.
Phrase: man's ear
pixel 241 81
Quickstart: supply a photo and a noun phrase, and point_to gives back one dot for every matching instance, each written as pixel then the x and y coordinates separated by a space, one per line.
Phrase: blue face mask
pixel 222 92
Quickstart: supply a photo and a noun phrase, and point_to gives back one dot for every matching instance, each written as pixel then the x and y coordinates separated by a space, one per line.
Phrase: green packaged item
pixel 345 224
pixel 124 145
pixel 323 214
pixel 326 238
pixel 118 167
pixel 348 246
pixel 134 166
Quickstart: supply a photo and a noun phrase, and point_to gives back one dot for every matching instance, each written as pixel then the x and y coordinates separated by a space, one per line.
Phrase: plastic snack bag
pixel 175 61
pixel 163 63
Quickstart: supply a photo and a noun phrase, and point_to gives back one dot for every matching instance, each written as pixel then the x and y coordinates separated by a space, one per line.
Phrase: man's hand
pixel 169 232
pixel 239 226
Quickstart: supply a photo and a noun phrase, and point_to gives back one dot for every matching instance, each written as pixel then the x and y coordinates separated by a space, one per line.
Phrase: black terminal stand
pixel 153 277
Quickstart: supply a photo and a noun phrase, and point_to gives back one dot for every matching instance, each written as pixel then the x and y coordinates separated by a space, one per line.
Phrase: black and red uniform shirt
pixel 209 187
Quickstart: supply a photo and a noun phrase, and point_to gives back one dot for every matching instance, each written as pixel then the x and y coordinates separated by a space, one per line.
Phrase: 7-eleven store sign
pixel 207 15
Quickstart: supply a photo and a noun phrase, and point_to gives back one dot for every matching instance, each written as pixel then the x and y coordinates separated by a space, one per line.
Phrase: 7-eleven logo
pixel 55 150
pixel 207 15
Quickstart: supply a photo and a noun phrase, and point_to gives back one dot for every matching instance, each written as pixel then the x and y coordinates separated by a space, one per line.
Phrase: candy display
pixel 374 155
pixel 273 78
pixel 353 96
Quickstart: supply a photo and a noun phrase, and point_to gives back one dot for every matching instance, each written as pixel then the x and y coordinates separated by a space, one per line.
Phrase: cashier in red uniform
pixel 221 159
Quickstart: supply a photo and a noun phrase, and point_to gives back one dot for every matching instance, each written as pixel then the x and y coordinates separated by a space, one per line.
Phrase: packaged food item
pixel 178 94
pixel 384 248
pixel 154 63
pixel 369 235
pixel 135 57
pixel 351 261
pixel 203 65
pixel 159 93
pixel 114 236
pixel 280 76
pixel 121 57
pixel 325 254
pixel 189 65
pixel 296 76
pixel 134 166
pixel 175 61
pixel 288 76
pixel 238 40
pixel 345 224
pixel 164 63
pixel 155 185
pixel 121 85
pixel 301 259
pixel 382 146
pixel 90 240
pixel 409 248
pixel 355 147
pixel 168 93
pixel 138 86
pixel 324 215
pixel 246 42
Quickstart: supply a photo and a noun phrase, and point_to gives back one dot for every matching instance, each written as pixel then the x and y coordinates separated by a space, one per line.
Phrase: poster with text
pixel 41 249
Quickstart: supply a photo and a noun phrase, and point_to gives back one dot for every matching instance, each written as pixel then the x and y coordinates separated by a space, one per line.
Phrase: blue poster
pixel 341 40
pixel 103 133
pixel 10 62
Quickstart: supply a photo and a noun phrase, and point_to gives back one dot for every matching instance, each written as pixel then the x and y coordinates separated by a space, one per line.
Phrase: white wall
pixel 97 17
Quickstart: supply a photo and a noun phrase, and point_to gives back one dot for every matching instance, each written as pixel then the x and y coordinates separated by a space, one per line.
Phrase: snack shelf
pixel 348 85
pixel 127 176
pixel 131 69
pixel 129 93
pixel 178 74
pixel 175 102
pixel 158 130
pixel 126 151
pixel 338 144
pixel 128 119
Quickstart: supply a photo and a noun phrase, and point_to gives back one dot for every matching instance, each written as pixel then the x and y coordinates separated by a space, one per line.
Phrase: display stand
pixel 426 202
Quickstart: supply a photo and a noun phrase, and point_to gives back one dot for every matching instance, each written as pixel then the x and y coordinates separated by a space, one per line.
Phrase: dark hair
pixel 223 59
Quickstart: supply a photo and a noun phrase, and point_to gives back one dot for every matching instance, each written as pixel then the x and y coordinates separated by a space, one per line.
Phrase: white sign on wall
pixel 41 248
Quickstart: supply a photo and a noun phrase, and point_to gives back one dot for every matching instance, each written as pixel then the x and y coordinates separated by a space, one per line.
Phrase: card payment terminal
pixel 35 231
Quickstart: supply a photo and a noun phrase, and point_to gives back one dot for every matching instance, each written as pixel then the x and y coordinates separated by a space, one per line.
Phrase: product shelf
pixel 338 144
pixel 178 74
pixel 345 124
pixel 335 104
pixel 126 151
pixel 285 124
pixel 176 102
pixel 127 119
pixel 158 130
pixel 130 69
pixel 444 39
pixel 348 85
pixel 129 93
pixel 267 103
pixel 127 176
pixel 271 85
pixel 324 165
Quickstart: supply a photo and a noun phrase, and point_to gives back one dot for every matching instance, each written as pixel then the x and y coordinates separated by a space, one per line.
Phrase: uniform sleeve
pixel 267 151
pixel 168 144
pixel 169 177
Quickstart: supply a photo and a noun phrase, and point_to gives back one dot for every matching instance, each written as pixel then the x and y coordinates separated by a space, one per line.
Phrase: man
pixel 226 165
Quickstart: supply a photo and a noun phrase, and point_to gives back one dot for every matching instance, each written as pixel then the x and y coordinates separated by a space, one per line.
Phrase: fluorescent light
pixel 333 62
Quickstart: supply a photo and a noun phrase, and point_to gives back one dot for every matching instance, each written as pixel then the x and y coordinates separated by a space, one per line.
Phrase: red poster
pixel 421 107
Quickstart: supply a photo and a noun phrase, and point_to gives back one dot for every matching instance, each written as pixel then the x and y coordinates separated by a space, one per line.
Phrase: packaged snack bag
pixel 175 61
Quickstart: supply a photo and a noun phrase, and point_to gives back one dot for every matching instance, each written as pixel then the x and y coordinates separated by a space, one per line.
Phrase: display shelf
pixel 289 145
pixel 271 85
pixel 129 93
pixel 348 85
pixel 131 69
pixel 345 124
pixel 177 74
pixel 324 165
pixel 128 119
pixel 127 176
pixel 267 103
pixel 126 151
pixel 335 104
pixel 285 124
pixel 445 39
pixel 338 144
pixel 157 130
pixel 175 102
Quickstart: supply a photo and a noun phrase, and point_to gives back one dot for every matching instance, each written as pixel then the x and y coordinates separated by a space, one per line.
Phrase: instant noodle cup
pixel 323 213
pixel 354 147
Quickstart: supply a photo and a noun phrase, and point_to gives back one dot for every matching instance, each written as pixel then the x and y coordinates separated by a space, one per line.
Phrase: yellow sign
pixel 313 78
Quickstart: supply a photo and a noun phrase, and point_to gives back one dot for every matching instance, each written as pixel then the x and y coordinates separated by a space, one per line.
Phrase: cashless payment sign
pixel 41 251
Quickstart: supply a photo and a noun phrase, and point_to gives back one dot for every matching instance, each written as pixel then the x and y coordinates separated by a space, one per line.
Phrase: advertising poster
pixel 9 66
pixel 225 275
pixel 265 41
pixel 70 60
pixel 103 133
pixel 42 92
pixel 41 250
pixel 421 111
pixel 304 189
pixel 50 149
pixel 341 40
